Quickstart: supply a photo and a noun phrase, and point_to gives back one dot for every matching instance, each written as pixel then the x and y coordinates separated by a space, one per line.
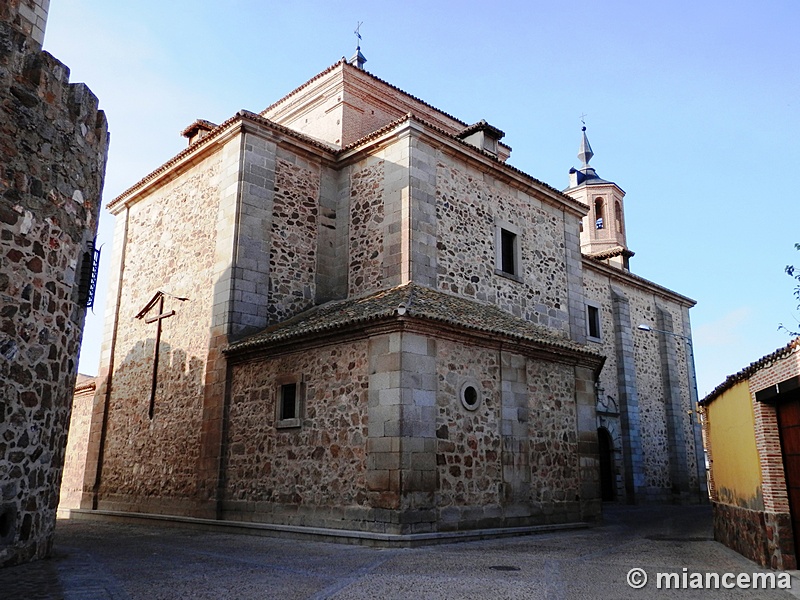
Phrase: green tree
pixel 793 272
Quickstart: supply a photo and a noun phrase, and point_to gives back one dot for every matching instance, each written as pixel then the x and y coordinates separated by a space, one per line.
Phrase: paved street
pixel 95 561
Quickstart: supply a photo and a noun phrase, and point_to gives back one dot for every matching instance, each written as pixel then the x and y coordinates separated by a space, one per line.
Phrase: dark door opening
pixel 608 480
pixel 788 412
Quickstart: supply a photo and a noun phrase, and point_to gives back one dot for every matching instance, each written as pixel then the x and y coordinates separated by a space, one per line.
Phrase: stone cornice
pixel 243 121
pixel 423 326
pixel 636 281
pixel 454 146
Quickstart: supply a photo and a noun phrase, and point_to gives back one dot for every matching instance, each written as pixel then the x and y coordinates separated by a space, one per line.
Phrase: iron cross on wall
pixel 158 298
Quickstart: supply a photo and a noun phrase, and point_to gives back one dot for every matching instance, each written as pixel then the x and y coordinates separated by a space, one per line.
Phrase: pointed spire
pixel 585 153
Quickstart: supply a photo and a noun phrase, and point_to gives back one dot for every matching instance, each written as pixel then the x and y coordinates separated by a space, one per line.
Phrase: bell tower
pixel 603 235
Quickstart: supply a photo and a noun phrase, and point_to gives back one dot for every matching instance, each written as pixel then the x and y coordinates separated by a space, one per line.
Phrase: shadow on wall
pixel 152 429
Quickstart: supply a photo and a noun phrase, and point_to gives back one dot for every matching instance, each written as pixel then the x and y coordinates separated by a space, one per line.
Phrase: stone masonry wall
pixel 366 228
pixel 53 142
pixel 468 208
pixel 468 445
pixel 77 444
pixel 308 475
pixel 653 411
pixel 763 537
pixel 293 253
pixel 149 464
pixel 553 432
pixel 489 472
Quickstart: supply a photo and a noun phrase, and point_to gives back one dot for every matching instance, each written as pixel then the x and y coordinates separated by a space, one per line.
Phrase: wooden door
pixel 789 426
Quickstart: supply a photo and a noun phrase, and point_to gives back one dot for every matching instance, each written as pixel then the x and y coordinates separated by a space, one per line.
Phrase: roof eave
pixel 412 122
pixel 208 144
pixel 638 281
pixel 386 323
pixel 754 367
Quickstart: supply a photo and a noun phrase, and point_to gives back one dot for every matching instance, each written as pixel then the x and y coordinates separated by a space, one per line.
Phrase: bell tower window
pixel 599 216
pixel 618 216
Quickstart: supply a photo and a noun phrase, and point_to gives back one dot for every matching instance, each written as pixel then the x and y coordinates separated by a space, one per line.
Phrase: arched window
pixel 618 216
pixel 599 220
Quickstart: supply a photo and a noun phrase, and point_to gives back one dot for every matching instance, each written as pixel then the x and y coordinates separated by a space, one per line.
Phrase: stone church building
pixel 349 311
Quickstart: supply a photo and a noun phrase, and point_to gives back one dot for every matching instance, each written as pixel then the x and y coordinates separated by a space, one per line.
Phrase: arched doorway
pixel 608 483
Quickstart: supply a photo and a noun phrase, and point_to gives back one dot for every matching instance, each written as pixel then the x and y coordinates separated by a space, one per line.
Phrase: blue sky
pixel 692 108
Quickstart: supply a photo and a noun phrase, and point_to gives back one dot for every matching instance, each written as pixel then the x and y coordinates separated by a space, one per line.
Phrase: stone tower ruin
pixel 53 146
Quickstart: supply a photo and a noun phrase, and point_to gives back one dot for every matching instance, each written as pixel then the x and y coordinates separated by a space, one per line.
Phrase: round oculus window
pixel 470 396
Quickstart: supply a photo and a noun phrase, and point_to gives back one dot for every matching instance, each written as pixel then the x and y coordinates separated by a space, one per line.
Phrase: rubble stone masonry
pixel 468 442
pixel 366 228
pixel 53 142
pixel 170 248
pixel 652 410
pixel 294 234
pixel 468 211
pixel 77 444
pixel 306 475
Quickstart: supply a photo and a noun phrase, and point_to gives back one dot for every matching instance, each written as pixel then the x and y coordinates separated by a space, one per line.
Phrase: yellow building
pixel 752 430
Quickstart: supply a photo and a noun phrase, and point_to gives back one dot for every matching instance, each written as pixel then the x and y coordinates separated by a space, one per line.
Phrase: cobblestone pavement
pixel 99 561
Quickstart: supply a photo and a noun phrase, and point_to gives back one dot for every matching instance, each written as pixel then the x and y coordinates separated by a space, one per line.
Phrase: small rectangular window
pixel 289 404
pixel 508 242
pixel 289 401
pixel 593 321
pixel 507 257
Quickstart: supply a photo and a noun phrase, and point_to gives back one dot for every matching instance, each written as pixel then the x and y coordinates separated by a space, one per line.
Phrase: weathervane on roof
pixel 358 34
pixel 583 120
pixel 358 59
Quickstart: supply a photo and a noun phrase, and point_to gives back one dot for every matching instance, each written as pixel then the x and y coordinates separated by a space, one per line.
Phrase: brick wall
pixel 344 104
pixel 784 366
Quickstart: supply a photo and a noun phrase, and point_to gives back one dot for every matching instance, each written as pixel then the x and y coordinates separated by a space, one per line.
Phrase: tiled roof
pixel 752 368
pixel 85 382
pixel 343 61
pixel 198 124
pixel 480 125
pixel 415 302
pixel 213 134
pixel 611 253
pixel 599 265
pixel 503 165
pixel 246 114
